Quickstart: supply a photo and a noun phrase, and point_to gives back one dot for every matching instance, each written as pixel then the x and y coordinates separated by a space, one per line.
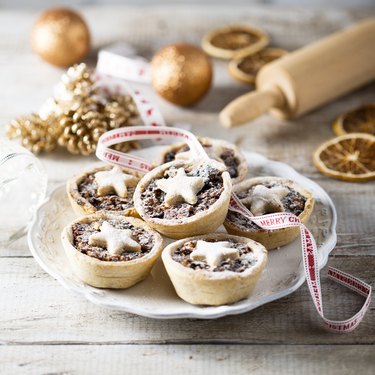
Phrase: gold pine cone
pixel 78 82
pixel 84 124
pixel 81 130
pixel 37 135
pixel 120 110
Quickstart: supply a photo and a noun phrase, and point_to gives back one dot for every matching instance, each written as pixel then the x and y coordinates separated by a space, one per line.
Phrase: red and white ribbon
pixel 124 64
pixel 268 222
pixel 108 139
pixel 121 61
pixel 148 111
pixel 310 262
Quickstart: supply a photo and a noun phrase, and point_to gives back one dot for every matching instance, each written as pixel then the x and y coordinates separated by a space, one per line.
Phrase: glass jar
pixel 23 185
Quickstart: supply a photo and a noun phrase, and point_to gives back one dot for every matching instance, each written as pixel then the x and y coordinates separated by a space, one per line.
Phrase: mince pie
pixel 105 189
pixel 265 195
pixel 184 198
pixel 217 149
pixel 214 269
pixel 111 251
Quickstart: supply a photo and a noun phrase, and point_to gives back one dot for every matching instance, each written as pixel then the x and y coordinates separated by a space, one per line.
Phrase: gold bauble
pixel 61 37
pixel 181 73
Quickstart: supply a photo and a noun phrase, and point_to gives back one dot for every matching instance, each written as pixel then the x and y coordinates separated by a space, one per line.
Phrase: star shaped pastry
pixel 214 252
pixel 114 181
pixel 265 200
pixel 180 188
pixel 115 240
pixel 214 151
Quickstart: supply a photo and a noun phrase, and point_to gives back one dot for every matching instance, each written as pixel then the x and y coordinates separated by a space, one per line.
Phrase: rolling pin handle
pixel 249 106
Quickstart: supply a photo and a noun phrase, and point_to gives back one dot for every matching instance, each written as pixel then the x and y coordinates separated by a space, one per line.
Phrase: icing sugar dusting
pixel 265 200
pixel 214 252
pixel 114 180
pixel 180 188
pixel 115 240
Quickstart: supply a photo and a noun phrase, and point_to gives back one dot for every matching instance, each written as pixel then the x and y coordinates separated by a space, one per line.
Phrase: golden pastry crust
pixel 238 157
pixel 202 222
pixel 206 287
pixel 81 205
pixel 110 274
pixel 234 42
pixel 271 239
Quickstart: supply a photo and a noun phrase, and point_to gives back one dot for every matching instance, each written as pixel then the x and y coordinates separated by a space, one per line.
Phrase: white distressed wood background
pixel 45 329
pixel 41 4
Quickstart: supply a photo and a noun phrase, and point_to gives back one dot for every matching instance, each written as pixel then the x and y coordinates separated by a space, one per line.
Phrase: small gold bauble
pixel 181 73
pixel 61 37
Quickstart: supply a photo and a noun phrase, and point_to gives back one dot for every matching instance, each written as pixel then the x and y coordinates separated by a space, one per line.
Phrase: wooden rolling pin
pixel 309 77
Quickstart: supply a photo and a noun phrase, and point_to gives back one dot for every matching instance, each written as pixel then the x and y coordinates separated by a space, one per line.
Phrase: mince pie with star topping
pixel 111 251
pixel 184 198
pixel 217 149
pixel 105 189
pixel 214 269
pixel 265 195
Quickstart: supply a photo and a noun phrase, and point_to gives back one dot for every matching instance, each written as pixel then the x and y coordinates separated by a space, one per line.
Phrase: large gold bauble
pixel 181 73
pixel 61 37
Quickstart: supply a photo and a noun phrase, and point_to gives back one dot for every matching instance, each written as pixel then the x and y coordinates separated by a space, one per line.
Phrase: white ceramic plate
pixel 155 296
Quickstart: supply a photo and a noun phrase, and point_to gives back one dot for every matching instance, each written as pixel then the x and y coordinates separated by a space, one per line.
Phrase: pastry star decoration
pixel 180 188
pixel 114 180
pixel 266 200
pixel 115 240
pixel 214 252
pixel 214 151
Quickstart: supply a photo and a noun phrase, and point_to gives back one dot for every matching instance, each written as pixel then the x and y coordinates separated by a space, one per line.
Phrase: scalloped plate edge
pixel 220 311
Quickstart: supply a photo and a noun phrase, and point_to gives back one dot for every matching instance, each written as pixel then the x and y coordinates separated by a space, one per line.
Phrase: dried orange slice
pixel 360 120
pixel 349 157
pixel 232 42
pixel 247 68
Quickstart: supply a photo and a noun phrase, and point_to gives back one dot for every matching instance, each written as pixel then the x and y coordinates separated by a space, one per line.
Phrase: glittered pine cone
pixel 120 110
pixel 37 135
pixel 78 81
pixel 88 113
pixel 81 130
pixel 76 117
pixel 85 123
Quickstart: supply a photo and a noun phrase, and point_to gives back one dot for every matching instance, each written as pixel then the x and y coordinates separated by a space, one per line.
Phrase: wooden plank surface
pixel 39 310
pixel 185 359
pixel 43 325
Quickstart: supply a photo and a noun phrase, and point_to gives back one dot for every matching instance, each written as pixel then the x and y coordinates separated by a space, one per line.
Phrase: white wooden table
pixel 45 329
